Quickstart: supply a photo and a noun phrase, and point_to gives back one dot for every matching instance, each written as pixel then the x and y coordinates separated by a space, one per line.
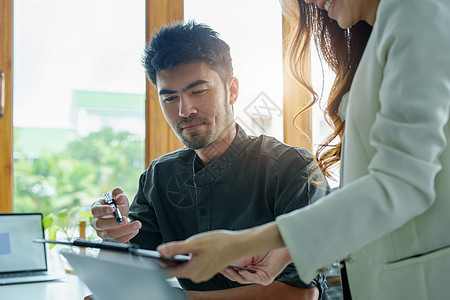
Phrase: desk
pixel 68 288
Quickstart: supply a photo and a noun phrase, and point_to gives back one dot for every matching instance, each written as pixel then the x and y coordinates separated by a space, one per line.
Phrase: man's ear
pixel 233 89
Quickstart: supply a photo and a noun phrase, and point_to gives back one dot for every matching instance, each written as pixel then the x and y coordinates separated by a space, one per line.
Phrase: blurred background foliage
pixel 79 174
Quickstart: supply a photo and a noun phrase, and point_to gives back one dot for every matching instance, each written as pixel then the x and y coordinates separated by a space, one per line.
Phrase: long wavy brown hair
pixel 341 49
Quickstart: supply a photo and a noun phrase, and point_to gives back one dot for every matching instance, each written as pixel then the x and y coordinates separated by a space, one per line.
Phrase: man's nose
pixel 186 107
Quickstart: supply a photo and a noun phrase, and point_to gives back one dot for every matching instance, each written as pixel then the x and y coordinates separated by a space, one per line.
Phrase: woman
pixel 391 214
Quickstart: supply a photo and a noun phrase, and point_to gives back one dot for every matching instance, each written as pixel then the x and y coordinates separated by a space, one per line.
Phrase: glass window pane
pixel 256 50
pixel 79 96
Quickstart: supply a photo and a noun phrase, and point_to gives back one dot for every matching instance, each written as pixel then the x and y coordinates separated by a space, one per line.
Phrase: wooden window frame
pixel 159 137
pixel 6 142
pixel 297 129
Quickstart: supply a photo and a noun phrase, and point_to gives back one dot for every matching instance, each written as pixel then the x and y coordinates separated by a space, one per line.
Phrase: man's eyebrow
pixel 189 86
pixel 167 92
pixel 194 84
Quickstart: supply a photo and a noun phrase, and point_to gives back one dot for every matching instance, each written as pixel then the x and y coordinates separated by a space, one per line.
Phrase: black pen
pixel 242 268
pixel 110 201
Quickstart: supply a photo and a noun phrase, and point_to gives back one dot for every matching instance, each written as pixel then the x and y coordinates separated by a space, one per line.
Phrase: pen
pixel 110 201
pixel 242 268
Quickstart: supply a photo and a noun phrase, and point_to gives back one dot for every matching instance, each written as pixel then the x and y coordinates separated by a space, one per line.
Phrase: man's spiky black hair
pixel 183 43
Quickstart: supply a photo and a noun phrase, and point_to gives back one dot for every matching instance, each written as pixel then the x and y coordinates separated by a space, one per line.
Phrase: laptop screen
pixel 18 253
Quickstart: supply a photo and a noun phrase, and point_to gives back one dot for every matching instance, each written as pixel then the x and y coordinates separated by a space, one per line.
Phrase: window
pixel 256 49
pixel 93 26
pixel 79 101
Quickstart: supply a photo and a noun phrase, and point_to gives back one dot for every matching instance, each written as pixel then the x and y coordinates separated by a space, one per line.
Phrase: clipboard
pixel 140 278
pixel 132 249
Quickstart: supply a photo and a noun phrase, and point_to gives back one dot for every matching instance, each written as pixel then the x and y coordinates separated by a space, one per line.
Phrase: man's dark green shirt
pixel 253 182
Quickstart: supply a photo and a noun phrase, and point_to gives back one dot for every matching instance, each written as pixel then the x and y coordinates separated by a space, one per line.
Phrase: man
pixel 222 179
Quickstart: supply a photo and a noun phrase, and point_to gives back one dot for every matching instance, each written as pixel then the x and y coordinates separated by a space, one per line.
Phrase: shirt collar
pixel 210 172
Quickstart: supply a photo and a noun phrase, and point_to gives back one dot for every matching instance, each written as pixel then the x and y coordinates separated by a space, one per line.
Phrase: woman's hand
pixel 210 252
pixel 267 266
pixel 213 251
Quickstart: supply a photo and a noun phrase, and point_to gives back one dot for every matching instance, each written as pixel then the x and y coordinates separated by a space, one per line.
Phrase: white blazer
pixel 393 213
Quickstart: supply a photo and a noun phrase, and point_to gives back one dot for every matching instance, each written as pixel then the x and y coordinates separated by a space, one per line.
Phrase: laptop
pixel 113 275
pixel 21 260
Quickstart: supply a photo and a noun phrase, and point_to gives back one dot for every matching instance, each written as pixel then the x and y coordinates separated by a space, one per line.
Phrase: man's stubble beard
pixel 195 140
pixel 198 141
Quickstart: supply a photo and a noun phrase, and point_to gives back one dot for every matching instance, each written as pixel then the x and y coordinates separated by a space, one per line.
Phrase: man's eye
pixel 199 92
pixel 168 99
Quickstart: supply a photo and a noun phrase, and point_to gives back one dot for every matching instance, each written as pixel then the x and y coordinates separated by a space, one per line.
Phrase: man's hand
pixel 267 266
pixel 106 225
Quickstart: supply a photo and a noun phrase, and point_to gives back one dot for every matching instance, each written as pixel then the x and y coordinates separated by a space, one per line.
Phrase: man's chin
pixel 194 143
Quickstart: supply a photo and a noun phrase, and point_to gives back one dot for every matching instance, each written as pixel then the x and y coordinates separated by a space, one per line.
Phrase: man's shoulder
pixel 180 156
pixel 271 147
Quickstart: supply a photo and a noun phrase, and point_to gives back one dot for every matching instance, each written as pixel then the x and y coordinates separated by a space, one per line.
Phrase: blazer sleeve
pixel 412 43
